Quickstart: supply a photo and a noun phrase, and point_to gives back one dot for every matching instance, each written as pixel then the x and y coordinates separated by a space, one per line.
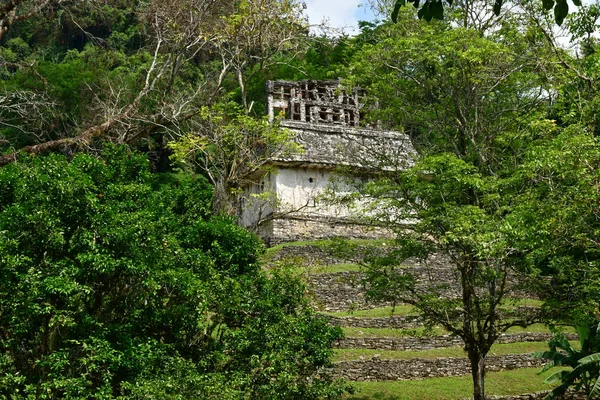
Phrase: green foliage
pixel 473 104
pixel 435 8
pixel 583 364
pixel 452 89
pixel 554 221
pixel 232 149
pixel 118 283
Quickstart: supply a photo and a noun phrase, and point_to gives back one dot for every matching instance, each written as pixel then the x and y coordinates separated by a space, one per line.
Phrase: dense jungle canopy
pixel 128 128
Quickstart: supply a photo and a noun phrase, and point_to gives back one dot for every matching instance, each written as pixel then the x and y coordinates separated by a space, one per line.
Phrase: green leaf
pixel 397 6
pixel 561 10
pixel 437 10
pixel 577 3
pixel 548 4
pixel 497 6
pixel 596 388
pixel 555 357
pixel 555 377
pixel 589 359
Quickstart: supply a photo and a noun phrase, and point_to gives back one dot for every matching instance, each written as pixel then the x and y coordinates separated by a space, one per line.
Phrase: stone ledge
pixel 366 149
pixel 435 342
pixel 397 321
pixel 571 395
pixel 420 368
pixel 394 321
pixel 299 229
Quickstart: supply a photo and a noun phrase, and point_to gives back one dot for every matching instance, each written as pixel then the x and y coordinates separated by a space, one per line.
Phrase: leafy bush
pixel 119 283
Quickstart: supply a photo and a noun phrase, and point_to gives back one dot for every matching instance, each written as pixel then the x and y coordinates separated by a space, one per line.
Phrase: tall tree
pixel 148 75
pixel 470 102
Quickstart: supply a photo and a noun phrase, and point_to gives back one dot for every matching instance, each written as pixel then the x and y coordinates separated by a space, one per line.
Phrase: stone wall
pixel 377 369
pixel 314 227
pixel 434 342
pixel 396 321
pixel 343 290
pixel 539 396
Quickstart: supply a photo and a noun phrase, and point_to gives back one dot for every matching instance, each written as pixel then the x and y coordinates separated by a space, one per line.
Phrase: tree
pixel 232 149
pixel 471 103
pixel 251 38
pixel 119 283
pixel 435 8
pixel 141 79
pixel 19 10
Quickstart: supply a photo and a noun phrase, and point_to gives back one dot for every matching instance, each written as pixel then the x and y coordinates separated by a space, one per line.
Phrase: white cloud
pixel 339 13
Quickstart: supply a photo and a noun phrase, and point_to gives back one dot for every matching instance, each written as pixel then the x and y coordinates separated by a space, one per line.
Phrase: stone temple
pixel 326 121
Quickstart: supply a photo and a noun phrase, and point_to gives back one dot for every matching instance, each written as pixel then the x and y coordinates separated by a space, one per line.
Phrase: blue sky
pixel 339 13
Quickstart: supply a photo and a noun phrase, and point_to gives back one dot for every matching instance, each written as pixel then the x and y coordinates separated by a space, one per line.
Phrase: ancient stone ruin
pixel 315 102
pixel 326 121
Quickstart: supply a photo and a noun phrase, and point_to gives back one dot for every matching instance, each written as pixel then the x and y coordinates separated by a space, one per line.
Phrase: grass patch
pixel 539 328
pixel 421 331
pixel 406 309
pixel 497 350
pixel 298 268
pixel 401 309
pixel 505 383
pixel 512 303
pixel 327 269
pixel 271 251
pixel 391 332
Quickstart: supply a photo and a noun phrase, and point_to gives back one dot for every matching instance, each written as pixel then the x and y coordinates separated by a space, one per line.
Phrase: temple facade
pixel 290 204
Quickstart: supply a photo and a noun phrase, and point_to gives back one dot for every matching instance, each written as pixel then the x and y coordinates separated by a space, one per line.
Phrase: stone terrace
pixel 340 291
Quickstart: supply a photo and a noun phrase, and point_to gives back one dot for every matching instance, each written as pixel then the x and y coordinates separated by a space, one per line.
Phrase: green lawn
pixel 520 381
pixel 401 309
pixel 391 332
pixel 497 350
pixel 270 252
pixel 417 332
pixel 406 309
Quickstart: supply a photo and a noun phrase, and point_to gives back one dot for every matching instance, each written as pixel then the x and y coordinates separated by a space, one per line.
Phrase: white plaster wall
pixel 300 190
pixel 253 208
pixel 299 193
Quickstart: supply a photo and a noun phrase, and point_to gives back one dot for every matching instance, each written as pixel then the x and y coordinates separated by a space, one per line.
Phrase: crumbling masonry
pixel 326 121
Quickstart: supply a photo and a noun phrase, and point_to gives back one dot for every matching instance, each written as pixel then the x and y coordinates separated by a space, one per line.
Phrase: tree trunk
pixel 222 201
pixel 243 91
pixel 478 374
